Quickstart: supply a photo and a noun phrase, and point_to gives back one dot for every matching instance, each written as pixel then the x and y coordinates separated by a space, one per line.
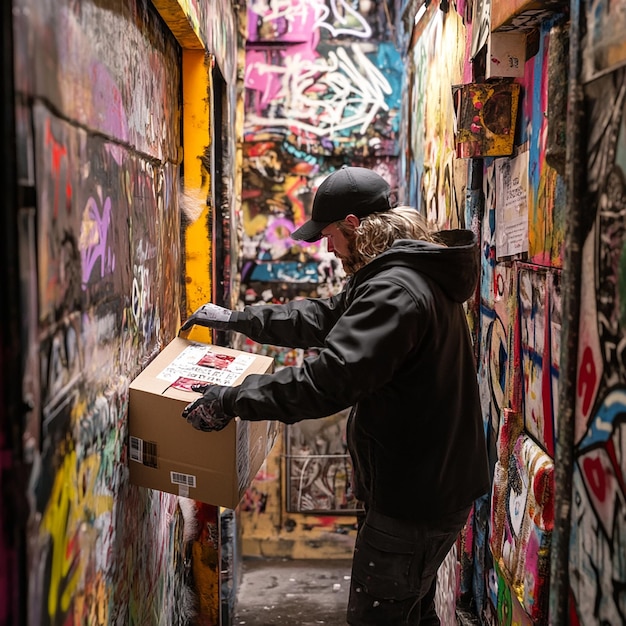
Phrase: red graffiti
pixel 587 378
pixel 58 153
pixel 596 476
pixel 573 615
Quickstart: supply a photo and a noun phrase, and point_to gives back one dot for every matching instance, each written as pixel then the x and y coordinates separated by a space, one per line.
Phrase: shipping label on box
pixel 167 453
pixel 200 363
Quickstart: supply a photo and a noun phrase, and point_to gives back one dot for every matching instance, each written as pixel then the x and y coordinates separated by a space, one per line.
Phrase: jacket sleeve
pixel 364 349
pixel 296 324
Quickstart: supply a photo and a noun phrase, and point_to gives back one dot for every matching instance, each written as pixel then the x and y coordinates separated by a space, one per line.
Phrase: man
pixel 394 346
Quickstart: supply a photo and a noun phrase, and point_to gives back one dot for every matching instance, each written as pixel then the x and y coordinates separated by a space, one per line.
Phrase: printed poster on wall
pixel 512 207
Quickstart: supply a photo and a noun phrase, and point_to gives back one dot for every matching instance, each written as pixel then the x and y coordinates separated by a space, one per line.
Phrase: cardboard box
pixel 506 55
pixel 167 453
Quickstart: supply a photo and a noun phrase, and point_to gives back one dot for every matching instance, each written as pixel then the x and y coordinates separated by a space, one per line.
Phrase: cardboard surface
pixel 523 14
pixel 506 55
pixel 167 453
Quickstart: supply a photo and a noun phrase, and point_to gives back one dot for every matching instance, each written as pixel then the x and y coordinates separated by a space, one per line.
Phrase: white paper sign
pixel 512 207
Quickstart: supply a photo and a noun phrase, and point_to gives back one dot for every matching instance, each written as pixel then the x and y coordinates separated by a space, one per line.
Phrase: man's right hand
pixel 209 315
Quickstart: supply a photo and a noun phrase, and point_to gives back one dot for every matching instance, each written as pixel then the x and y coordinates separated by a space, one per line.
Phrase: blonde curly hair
pixel 377 232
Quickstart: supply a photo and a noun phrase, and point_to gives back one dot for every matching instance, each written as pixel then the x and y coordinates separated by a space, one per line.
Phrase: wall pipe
pixel 571 286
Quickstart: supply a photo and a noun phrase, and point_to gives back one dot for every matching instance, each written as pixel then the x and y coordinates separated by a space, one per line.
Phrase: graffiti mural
pixel 269 529
pixel 436 185
pixel 344 93
pixel 318 467
pixel 106 293
pixel 499 354
pixel 518 375
pixel 100 320
pixel 597 577
pixel 128 105
pixel 315 92
pixel 522 517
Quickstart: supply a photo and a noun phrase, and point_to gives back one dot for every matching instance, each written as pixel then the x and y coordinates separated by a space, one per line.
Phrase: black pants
pixel 394 570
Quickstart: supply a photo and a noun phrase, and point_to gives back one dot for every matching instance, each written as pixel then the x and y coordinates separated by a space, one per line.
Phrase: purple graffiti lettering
pixel 93 240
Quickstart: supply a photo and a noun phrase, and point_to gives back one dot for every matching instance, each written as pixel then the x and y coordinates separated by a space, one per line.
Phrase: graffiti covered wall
pixel 597 571
pixel 107 287
pixel 520 330
pixel 322 88
pixel 519 219
pixel 435 180
pixel 98 120
pixel 523 208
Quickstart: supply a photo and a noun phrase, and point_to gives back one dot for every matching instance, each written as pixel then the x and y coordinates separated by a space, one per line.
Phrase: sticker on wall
pixel 485 118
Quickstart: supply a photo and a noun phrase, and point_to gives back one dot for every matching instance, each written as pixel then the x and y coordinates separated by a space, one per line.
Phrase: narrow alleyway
pixel 160 155
pixel 283 592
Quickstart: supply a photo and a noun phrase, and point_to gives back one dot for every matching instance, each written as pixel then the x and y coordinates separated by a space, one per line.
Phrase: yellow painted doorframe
pixel 197 183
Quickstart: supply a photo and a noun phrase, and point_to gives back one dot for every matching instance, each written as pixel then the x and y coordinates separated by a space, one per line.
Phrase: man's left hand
pixel 207 412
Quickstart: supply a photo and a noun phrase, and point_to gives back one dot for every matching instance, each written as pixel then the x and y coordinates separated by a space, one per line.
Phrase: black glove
pixel 207 413
pixel 209 315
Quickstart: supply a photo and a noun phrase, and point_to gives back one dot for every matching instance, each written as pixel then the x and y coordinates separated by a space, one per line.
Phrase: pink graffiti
pixel 279 231
pixel 295 20
pixel 285 20
pixel 271 80
pixel 317 93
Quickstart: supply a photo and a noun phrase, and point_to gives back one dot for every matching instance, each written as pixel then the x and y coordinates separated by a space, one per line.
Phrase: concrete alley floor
pixel 283 592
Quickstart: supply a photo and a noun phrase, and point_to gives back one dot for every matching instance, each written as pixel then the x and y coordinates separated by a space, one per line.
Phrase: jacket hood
pixel 454 266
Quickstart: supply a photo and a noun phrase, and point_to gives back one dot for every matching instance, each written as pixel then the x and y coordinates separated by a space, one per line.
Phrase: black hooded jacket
pixel 396 347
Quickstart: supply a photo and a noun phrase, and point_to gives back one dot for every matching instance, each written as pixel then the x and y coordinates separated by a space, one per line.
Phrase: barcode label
pixel 183 479
pixel 136 449
pixel 144 452
pixel 150 455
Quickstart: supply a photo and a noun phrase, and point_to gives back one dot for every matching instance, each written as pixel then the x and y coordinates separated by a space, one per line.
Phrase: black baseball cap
pixel 356 190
